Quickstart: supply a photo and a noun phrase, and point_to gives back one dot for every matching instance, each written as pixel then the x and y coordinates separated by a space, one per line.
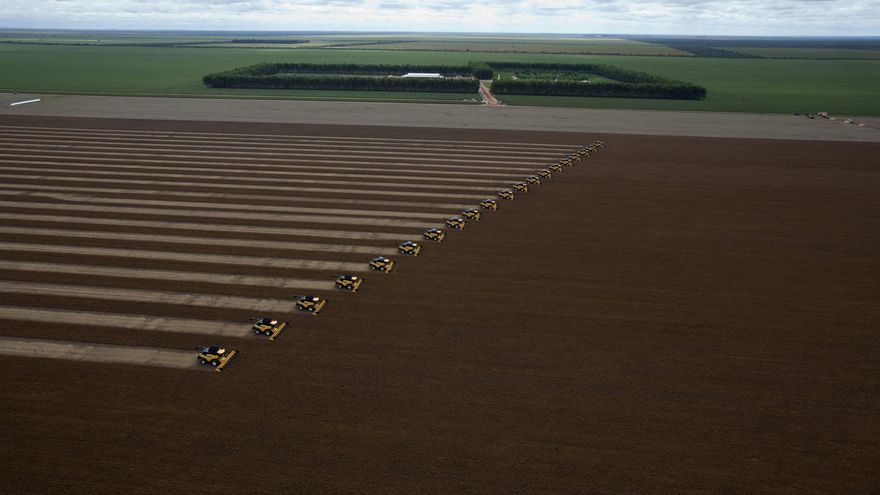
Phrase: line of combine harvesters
pixel 219 357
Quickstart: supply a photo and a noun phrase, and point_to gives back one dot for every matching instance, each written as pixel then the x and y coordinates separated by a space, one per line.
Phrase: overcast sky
pixel 708 17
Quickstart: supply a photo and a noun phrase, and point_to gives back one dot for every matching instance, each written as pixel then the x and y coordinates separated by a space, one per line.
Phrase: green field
pixel 842 87
pixel 809 53
pixel 606 47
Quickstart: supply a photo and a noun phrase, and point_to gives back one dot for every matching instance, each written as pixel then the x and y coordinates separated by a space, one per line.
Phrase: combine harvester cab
pixel 269 327
pixel 217 357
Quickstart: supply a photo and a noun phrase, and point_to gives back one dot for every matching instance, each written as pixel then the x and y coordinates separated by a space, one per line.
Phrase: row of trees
pixel 267 41
pixel 609 71
pixel 341 82
pixel 543 87
pixel 458 79
pixel 628 83
pixel 377 69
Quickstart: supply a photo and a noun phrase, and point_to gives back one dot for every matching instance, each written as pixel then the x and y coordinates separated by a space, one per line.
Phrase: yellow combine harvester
pixel 489 204
pixel 310 304
pixel 349 282
pixel 521 187
pixel 269 327
pixel 409 248
pixel 455 223
pixel 434 234
pixel 471 214
pixel 217 357
pixel 381 263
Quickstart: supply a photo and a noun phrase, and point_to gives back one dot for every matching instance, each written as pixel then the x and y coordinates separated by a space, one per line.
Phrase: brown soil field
pixel 671 315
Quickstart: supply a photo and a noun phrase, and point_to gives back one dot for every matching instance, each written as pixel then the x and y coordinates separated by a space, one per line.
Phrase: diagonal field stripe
pixel 144 296
pixel 97 353
pixel 267 198
pixel 227 206
pixel 173 276
pixel 177 212
pixel 266 181
pixel 436 149
pixel 190 152
pixel 191 171
pixel 279 149
pixel 275 137
pixel 213 241
pixel 259 189
pixel 127 321
pixel 311 163
pixel 284 263
pixel 189 226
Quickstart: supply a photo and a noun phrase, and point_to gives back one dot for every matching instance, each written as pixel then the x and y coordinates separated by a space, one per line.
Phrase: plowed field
pixel 672 314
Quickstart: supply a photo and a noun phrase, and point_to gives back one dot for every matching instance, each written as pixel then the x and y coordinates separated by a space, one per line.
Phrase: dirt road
pixel 468 117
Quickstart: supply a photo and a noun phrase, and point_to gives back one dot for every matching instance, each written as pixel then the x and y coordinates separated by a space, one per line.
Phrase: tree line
pixel 544 87
pixel 342 82
pixel 457 79
pixel 266 41
pixel 628 83
pixel 267 69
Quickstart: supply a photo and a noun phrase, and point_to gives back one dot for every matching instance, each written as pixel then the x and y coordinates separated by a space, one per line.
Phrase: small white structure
pixel 432 75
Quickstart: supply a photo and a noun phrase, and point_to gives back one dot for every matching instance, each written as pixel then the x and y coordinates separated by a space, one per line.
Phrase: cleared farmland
pixel 675 315
pixel 138 229
pixel 586 47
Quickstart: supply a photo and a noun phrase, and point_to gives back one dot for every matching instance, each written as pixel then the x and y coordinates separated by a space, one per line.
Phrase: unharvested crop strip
pixel 203 227
pixel 276 137
pixel 436 149
pixel 214 241
pixel 196 171
pixel 144 296
pixel 167 275
pixel 101 143
pixel 238 179
pixel 267 262
pixel 178 212
pixel 269 198
pixel 184 152
pixel 73 198
pixel 126 321
pixel 259 189
pixel 416 169
pixel 97 353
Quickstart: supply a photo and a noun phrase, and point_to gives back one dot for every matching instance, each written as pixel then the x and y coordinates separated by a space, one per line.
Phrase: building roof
pixel 421 74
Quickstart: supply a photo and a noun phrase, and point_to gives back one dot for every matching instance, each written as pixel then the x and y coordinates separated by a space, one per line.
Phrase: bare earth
pixel 672 315
pixel 703 124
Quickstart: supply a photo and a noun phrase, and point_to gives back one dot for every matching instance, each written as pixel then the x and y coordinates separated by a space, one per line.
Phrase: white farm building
pixel 432 75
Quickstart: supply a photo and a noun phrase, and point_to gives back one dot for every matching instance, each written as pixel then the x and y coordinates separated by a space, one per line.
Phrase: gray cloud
pixel 737 17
